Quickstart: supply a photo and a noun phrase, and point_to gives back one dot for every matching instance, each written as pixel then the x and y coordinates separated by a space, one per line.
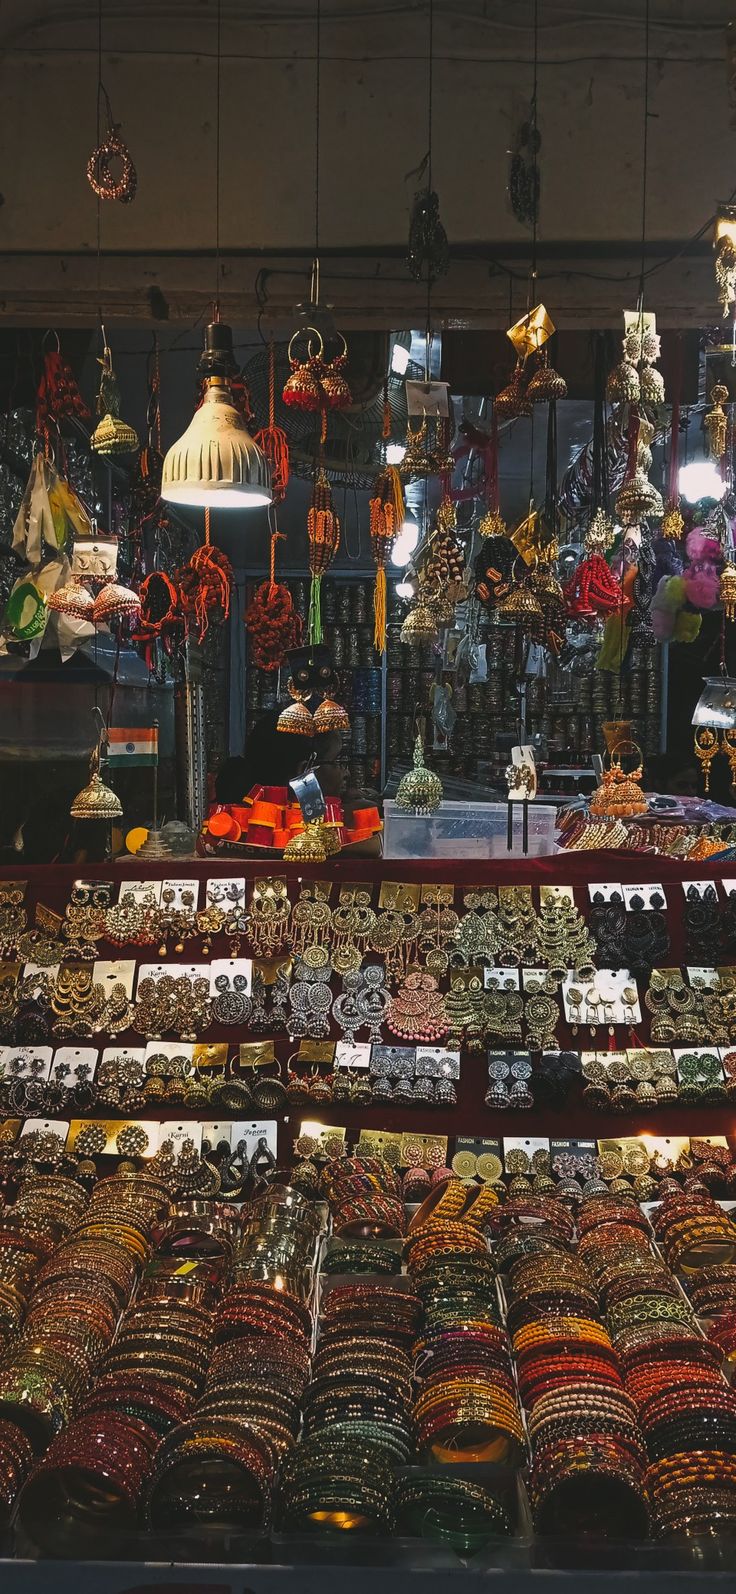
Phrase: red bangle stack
pixel 589 1458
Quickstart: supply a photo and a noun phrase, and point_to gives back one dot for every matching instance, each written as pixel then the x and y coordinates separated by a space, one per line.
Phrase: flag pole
pixel 155 781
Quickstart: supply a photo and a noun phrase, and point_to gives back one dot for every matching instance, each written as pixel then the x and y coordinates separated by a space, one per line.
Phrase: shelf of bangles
pixel 375 1221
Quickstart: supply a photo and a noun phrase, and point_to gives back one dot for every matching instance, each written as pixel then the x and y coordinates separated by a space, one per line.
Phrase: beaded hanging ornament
pixel 724 244
pixel 715 421
pixel 57 396
pixel 492 523
pixel 443 566
pixel 273 441
pixel 108 154
pixel 323 536
pixel 272 622
pixel 387 511
pixel 205 584
pixel 673 520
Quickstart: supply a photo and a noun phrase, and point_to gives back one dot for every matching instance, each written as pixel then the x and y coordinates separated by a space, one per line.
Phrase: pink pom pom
pixel 695 542
pixel 702 586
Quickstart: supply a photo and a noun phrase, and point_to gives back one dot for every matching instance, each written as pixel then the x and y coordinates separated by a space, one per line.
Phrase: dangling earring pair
pixel 298 720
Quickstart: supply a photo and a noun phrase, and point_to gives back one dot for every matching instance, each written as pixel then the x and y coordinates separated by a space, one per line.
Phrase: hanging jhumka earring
pixel 112 435
pixel 269 917
pixel 724 244
pixel 715 421
pixel 673 520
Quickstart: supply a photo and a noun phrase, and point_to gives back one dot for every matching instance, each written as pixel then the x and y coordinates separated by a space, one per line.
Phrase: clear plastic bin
pixel 467 830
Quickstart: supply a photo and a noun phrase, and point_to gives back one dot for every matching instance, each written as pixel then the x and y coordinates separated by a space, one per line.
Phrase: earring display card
pixel 398 1061
pixel 669 1147
pixel 45 919
pixel 381 1143
pixel 112 1127
pixel 477 1159
pixel 258 1129
pixel 226 891
pixel 177 1133
pixel 215 1133
pixel 96 557
pixel 606 891
pixel 501 979
pixel 659 1057
pixel 316 1051
pixel 169 1050
pixel 231 969
pixel 355 1056
pixel 700 888
pixel 522 1151
pixel 434 1062
pixel 131 1054
pixel 44 970
pixel 140 893
pixel 533 977
pixel 212 1056
pixel 646 893
pixel 71 1059
pixel 186 894
pixel 400 895
pixel 697 1064
pixel 331 1137
pixel 573 1158
pixel 27 1055
pixel 178 971
pixel 121 972
pixel 549 895
pixel 422 1151
pixel 46 1126
pixel 256 1054
pixel 708 978
pixel 610 998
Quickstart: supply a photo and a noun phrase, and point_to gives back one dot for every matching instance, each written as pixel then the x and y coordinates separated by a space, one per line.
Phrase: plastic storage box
pixel 467 830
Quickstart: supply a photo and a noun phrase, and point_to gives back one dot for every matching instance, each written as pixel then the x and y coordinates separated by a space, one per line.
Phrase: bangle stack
pixel 466 1407
pixel 75 1304
pixel 434 1504
pixel 588 1455
pixel 686 1412
pixel 365 1199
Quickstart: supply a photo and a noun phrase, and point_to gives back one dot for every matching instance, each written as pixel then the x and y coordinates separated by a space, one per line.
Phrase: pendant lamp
pixel 216 462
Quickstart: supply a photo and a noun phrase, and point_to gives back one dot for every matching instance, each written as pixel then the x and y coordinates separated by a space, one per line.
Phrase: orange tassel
pixel 272 439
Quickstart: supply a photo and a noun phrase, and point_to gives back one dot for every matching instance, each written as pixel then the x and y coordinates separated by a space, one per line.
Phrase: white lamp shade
pixel 216 462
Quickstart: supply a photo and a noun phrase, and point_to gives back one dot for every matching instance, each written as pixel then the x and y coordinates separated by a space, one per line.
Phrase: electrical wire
pixel 644 159
pixel 216 305
pixel 430 119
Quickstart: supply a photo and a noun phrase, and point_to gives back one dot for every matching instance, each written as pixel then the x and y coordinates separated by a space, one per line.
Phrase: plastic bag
pixel 49 512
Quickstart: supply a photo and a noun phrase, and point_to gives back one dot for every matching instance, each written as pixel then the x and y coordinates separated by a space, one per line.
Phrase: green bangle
pixel 436 1505
pixel 362 1259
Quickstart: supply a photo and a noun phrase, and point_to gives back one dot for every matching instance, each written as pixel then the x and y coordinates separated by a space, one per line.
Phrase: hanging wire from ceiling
pixel 644 159
pixel 532 294
pixel 314 290
pixel 430 124
pixel 218 100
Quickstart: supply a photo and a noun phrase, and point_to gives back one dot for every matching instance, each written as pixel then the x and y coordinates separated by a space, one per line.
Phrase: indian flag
pixel 137 744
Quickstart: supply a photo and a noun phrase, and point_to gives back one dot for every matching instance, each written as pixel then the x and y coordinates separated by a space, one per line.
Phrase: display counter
pixel 371 1160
